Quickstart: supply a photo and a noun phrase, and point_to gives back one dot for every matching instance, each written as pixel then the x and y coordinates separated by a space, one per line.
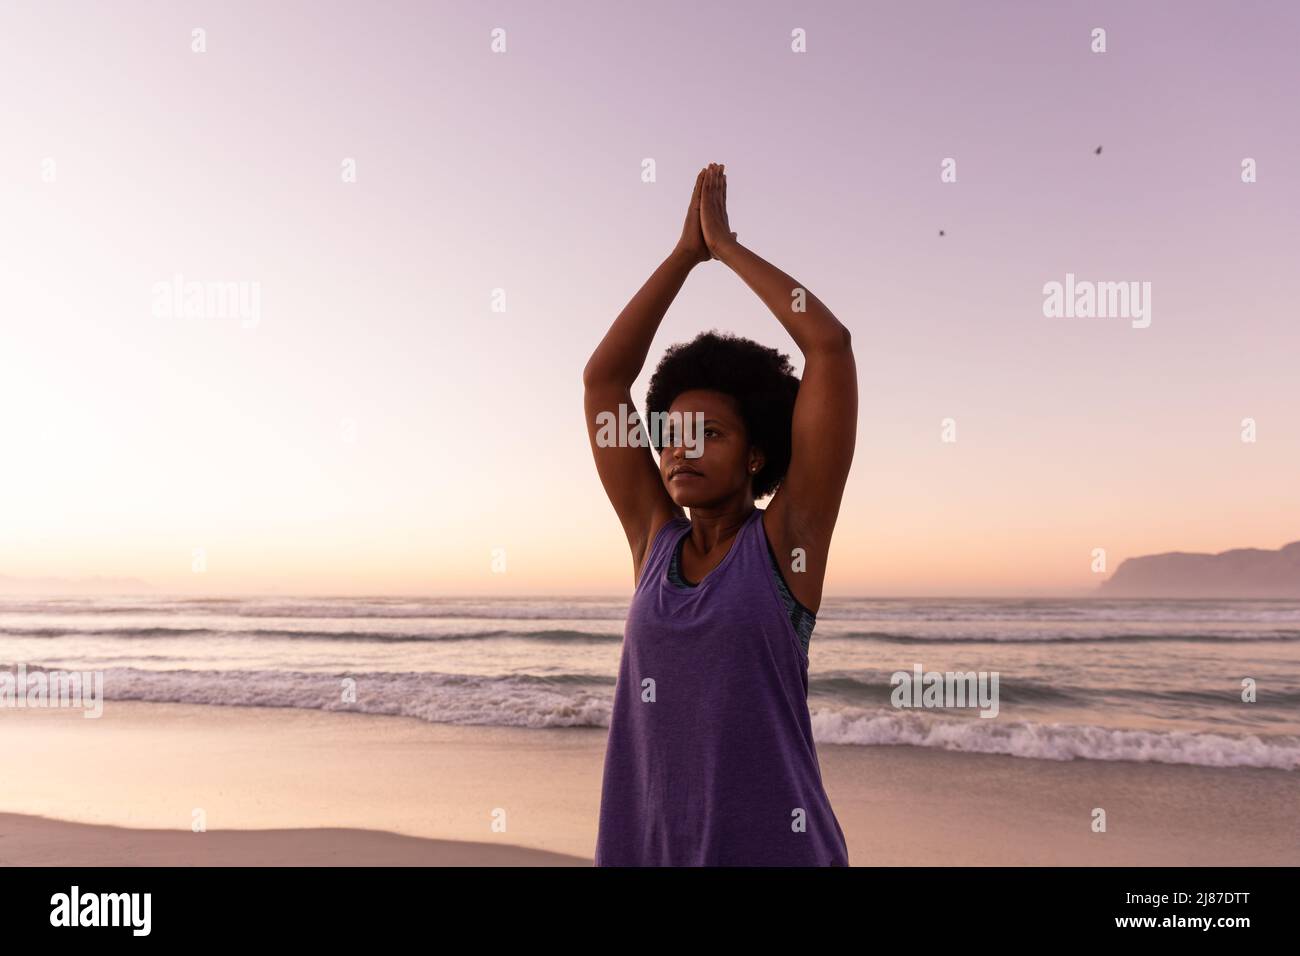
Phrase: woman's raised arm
pixel 629 474
pixel 804 509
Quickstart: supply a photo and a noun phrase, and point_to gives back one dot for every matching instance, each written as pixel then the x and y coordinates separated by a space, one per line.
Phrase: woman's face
pixel 726 464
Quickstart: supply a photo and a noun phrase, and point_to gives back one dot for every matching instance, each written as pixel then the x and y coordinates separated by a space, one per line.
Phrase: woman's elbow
pixel 836 340
pixel 596 371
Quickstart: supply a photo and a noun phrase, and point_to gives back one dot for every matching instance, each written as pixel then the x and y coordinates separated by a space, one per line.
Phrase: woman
pixel 710 758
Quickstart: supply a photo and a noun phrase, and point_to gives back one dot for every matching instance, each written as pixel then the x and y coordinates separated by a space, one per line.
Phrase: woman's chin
pixel 684 498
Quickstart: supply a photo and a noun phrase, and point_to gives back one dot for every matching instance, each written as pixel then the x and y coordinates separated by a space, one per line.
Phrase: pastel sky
pixel 381 429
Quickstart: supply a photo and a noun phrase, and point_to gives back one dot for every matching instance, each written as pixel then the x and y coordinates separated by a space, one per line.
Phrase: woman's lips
pixel 684 474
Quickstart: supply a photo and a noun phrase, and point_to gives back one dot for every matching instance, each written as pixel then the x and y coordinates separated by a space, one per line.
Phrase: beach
pixel 283 786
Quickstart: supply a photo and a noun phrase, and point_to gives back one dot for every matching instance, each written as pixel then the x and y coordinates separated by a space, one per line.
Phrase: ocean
pixel 1120 680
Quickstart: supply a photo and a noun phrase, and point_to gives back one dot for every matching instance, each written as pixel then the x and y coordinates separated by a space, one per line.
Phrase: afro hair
pixel 760 379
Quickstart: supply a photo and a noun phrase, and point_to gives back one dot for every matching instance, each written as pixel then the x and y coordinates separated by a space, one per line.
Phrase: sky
pixel 377 423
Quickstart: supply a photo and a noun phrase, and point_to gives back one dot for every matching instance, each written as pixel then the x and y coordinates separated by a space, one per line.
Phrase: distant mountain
pixel 1240 573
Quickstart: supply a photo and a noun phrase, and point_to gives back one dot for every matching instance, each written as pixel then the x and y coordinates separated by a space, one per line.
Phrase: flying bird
pixel 941 232
pixel 1098 150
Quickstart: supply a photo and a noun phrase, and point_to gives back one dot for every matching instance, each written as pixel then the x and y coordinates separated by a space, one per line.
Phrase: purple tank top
pixel 710 758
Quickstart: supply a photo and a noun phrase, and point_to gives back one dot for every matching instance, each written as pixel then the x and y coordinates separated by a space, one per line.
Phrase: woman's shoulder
pixel 666 518
pixel 660 526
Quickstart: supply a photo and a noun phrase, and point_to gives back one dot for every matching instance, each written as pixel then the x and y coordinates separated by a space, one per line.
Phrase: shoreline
pixel 279 786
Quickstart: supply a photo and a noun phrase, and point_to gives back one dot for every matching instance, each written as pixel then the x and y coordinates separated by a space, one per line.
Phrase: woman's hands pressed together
pixel 706 229
pixel 713 210
pixel 692 243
